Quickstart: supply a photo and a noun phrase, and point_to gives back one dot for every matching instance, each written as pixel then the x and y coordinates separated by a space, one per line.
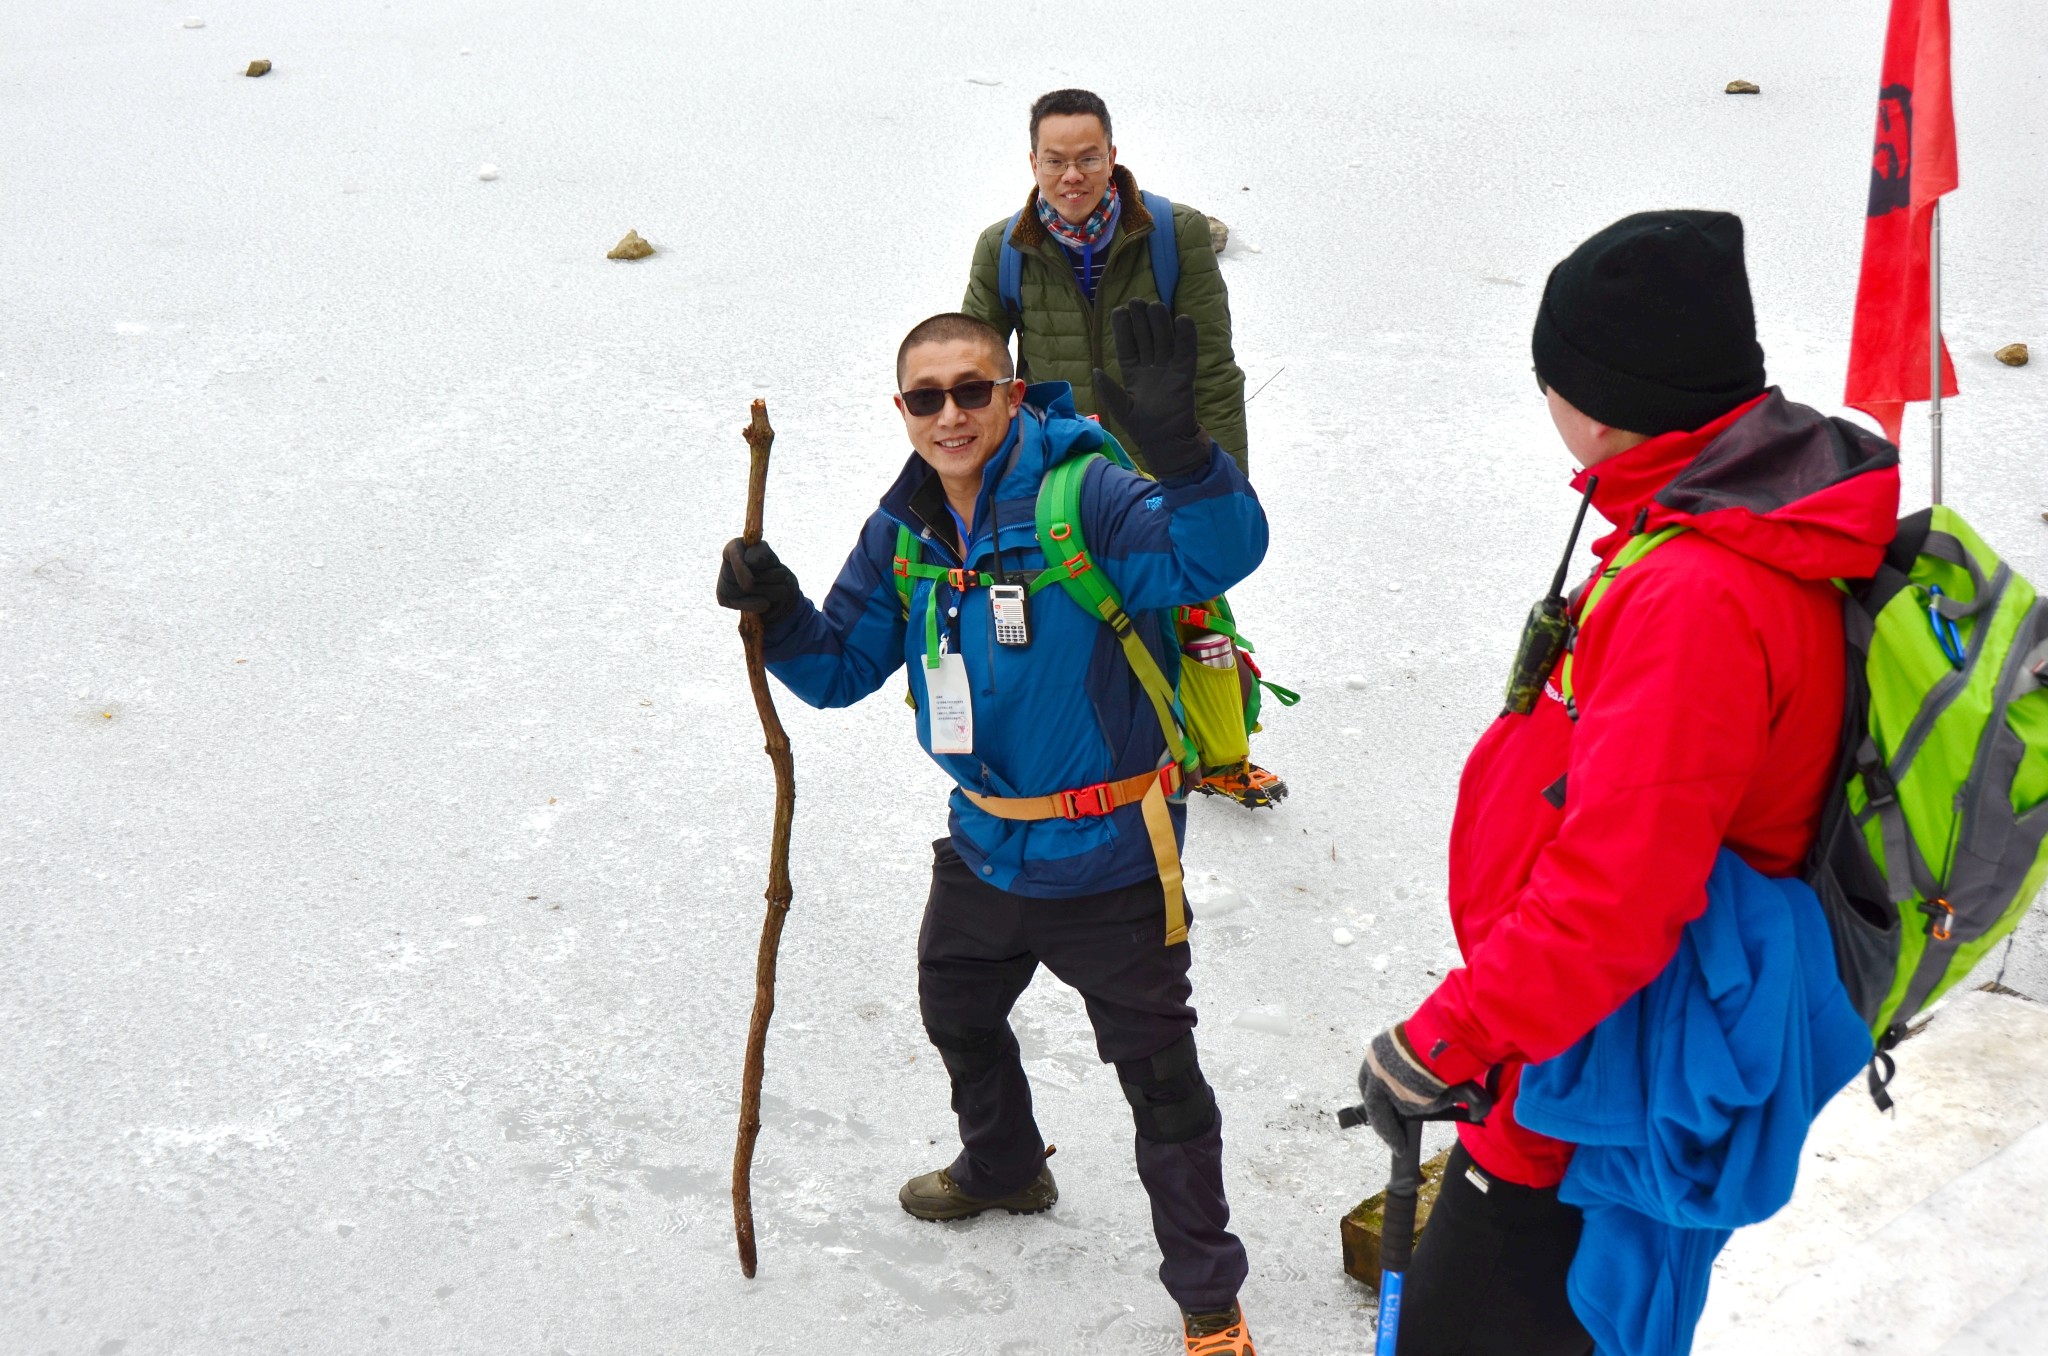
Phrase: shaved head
pixel 949 326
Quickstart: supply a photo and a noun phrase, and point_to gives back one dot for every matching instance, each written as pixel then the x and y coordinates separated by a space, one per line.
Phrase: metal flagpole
pixel 1934 343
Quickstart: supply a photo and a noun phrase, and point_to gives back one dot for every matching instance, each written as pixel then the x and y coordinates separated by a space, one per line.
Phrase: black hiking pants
pixel 1488 1277
pixel 976 953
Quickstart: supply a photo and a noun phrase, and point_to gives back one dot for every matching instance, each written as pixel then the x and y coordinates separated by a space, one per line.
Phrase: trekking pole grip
pixel 1397 1219
pixel 760 437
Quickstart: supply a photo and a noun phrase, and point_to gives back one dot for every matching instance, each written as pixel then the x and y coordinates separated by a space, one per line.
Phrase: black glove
pixel 1157 354
pixel 1395 1087
pixel 751 579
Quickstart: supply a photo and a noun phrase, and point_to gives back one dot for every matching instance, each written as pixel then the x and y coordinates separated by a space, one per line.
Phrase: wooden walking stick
pixel 760 437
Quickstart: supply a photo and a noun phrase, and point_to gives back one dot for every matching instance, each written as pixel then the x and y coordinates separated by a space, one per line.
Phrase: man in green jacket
pixel 1084 241
pixel 1082 235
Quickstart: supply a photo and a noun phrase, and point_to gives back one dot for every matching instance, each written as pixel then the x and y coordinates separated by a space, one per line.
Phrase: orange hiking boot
pixel 1223 1334
pixel 1246 783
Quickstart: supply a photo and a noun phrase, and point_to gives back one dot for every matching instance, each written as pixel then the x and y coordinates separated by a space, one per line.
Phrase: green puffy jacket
pixel 1065 337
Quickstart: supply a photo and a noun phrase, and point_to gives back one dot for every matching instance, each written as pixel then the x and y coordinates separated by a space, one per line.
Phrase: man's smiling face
pixel 954 442
pixel 1073 162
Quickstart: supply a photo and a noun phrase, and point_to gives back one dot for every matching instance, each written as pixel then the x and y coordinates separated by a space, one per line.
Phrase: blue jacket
pixel 1690 1105
pixel 1065 711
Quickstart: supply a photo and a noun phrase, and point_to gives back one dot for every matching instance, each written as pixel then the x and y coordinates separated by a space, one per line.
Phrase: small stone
pixel 1342 936
pixel 2012 355
pixel 631 247
pixel 256 68
pixel 195 23
pixel 488 172
pixel 1743 87
pixel 1219 234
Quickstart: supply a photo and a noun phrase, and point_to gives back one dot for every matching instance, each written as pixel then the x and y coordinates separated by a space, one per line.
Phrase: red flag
pixel 1913 164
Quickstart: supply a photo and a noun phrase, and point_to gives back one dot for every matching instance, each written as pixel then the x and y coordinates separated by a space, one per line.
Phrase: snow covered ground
pixel 380 798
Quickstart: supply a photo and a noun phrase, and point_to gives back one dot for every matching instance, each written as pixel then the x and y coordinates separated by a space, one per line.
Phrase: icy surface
pixel 380 796
pixel 1937 1201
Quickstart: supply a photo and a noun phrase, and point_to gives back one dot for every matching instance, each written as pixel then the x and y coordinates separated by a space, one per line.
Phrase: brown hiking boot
pixel 1246 783
pixel 935 1196
pixel 1224 1334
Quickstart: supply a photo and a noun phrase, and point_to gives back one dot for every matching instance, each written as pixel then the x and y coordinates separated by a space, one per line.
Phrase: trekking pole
pixel 1471 1103
pixel 1397 1236
pixel 760 437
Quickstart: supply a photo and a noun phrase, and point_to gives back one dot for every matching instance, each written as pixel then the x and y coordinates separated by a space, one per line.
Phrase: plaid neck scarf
pixel 1090 233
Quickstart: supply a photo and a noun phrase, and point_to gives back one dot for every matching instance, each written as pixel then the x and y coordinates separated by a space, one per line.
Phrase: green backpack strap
pixel 1638 547
pixel 1069 565
pixel 909 567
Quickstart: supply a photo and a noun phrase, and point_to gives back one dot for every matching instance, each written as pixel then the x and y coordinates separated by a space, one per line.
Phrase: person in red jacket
pixel 1706 712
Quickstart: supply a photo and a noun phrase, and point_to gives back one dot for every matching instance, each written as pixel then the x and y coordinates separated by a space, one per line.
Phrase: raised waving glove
pixel 1156 402
pixel 752 579
pixel 1394 1086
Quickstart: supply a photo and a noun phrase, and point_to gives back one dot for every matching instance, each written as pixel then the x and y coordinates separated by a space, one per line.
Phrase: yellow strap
pixel 1129 791
pixel 1149 791
pixel 1166 853
pixel 1154 682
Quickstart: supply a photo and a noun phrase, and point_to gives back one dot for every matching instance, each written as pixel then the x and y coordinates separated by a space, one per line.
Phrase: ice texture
pixel 380 938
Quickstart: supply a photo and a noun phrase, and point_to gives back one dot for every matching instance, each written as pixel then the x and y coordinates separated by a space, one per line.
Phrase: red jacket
pixel 1709 689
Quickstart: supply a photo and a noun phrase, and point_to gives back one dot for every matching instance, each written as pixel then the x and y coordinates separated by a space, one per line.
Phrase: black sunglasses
pixel 925 401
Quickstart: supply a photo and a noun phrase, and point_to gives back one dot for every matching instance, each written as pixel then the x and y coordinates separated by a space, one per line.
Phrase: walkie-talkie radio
pixel 1548 628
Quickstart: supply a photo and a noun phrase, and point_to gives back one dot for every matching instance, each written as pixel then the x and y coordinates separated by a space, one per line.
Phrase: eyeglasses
pixel 926 401
pixel 1087 164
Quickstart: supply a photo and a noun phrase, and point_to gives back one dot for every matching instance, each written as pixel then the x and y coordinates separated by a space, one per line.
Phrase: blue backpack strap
pixel 1010 274
pixel 1165 243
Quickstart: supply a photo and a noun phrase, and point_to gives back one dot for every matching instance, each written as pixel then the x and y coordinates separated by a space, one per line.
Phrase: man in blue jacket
pixel 1063 842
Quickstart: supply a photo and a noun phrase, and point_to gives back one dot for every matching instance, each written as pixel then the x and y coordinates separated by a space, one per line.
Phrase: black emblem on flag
pixel 1891 163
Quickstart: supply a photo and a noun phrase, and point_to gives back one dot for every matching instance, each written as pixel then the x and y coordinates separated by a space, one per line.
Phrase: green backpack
pixel 1206 719
pixel 1931 847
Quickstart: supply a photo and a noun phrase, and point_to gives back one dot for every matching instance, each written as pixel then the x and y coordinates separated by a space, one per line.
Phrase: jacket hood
pixel 1136 220
pixel 1815 497
pixel 1046 432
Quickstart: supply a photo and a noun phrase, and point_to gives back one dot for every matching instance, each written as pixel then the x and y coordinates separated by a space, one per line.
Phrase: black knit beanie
pixel 1648 326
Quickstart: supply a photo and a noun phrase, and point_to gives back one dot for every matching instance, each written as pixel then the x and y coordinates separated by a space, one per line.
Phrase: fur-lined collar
pixel 1030 232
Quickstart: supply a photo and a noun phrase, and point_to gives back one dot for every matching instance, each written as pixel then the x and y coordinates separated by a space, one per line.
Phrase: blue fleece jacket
pixel 1065 711
pixel 1691 1102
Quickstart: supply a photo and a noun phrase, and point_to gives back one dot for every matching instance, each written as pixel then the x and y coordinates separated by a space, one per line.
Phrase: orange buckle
pixel 1195 616
pixel 1077 565
pixel 960 580
pixel 902 567
pixel 1944 921
pixel 1169 780
pixel 1089 802
pixel 1060 532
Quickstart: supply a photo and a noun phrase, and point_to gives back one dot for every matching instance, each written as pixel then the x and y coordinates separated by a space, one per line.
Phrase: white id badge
pixel 952 707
